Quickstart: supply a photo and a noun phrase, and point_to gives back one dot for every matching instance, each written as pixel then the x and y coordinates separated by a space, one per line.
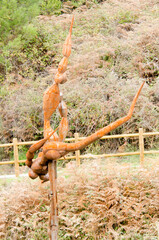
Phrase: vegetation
pixel 114 49
pixel 96 201
pixel 20 37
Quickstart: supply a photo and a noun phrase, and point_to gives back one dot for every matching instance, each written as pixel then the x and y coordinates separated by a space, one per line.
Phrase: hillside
pixel 114 48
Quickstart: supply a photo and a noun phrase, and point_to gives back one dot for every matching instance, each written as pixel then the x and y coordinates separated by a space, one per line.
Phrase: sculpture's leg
pixel 53 223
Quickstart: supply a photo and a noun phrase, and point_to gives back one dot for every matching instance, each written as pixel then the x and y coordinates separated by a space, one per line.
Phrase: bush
pixel 51 6
pixel 19 33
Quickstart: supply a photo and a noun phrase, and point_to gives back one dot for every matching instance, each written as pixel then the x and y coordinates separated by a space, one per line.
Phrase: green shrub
pixel 14 15
pixel 51 6
pixel 20 39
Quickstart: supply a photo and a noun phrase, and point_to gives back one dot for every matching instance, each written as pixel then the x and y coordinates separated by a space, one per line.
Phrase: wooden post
pixel 141 146
pixel 53 222
pixel 16 156
pixel 78 151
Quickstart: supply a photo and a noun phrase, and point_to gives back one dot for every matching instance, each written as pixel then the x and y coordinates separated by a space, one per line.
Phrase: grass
pixel 126 17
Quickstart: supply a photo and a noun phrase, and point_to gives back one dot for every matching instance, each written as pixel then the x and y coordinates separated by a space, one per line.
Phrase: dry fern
pixel 95 202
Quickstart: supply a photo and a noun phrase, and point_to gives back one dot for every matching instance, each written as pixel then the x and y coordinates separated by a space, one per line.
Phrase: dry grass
pixel 96 201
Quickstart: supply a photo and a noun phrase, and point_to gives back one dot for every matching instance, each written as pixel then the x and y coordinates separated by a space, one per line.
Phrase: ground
pixel 102 199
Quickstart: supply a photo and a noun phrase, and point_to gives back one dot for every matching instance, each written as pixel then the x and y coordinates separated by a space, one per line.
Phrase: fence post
pixel 78 151
pixel 16 156
pixel 141 146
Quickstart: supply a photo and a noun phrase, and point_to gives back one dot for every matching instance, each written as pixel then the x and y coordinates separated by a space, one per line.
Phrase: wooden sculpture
pixel 53 146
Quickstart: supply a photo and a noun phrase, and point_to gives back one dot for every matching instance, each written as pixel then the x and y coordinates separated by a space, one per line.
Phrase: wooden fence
pixel 77 155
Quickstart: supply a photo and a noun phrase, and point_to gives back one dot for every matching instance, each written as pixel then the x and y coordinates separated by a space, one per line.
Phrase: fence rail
pixel 77 155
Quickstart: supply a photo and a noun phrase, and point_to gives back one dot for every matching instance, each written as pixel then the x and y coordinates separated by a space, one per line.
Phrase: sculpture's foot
pixel 32 174
pixel 44 178
pixel 38 168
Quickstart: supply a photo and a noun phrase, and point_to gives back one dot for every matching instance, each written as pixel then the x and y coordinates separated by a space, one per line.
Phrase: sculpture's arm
pixel 63 127
pixel 54 150
pixel 69 147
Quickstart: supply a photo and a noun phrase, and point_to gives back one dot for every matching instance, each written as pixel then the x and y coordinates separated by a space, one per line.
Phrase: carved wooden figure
pixel 53 146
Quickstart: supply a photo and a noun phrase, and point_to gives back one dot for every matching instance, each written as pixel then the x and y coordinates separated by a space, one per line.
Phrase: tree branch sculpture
pixel 53 146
